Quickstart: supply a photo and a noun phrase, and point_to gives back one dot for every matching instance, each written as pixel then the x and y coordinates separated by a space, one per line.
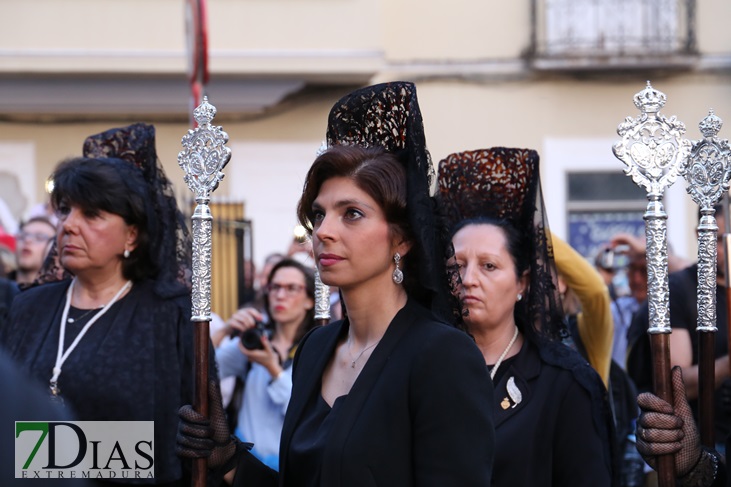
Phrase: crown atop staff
pixel 650 100
pixel 711 125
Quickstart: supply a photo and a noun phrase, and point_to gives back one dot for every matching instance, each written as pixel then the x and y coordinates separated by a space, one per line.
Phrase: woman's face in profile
pixel 489 285
pixel 351 239
pixel 92 240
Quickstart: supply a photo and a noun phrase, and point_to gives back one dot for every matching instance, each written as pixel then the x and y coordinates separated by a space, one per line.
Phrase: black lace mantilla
pixel 504 183
pixel 387 115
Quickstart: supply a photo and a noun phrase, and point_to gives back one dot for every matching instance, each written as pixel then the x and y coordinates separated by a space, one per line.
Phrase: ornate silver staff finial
pixel 707 175
pixel 322 290
pixel 650 100
pixel 654 153
pixel 711 125
pixel 202 159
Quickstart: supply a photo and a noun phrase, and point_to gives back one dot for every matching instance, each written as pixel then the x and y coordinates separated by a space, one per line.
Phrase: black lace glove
pixel 201 437
pixel 662 429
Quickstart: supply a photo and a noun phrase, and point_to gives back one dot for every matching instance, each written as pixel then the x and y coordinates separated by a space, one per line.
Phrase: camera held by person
pixel 251 338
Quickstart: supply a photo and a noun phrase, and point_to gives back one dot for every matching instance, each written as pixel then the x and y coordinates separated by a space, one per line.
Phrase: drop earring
pixel 397 276
pixel 126 254
pixel 520 296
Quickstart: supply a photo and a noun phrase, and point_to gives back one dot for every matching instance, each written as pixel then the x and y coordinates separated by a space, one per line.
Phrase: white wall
pixel 268 177
pixel 17 189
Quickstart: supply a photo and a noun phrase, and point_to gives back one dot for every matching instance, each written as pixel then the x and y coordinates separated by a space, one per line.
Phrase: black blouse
pixel 310 438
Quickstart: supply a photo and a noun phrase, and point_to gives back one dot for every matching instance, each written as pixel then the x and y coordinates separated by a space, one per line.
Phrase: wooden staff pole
pixel 727 268
pixel 202 159
pixel 706 326
pixel 658 305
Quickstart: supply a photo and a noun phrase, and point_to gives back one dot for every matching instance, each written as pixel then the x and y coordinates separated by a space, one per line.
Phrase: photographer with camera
pixel 261 355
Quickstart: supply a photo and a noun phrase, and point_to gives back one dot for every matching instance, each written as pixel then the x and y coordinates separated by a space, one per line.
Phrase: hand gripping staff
pixel 654 154
pixel 203 157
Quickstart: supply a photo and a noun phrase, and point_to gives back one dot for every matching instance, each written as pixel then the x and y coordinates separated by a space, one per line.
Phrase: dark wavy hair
pixel 114 186
pixel 378 173
pixel 308 322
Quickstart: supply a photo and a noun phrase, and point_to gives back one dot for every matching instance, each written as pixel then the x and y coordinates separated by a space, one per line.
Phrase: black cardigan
pixel 139 367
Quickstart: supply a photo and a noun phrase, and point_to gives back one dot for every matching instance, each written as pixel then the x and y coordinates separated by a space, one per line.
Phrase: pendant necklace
pixel 493 371
pixel 352 364
pixel 74 320
pixel 62 355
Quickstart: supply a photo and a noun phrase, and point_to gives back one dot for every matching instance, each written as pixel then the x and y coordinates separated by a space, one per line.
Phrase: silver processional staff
pixel 707 174
pixel 654 153
pixel 203 157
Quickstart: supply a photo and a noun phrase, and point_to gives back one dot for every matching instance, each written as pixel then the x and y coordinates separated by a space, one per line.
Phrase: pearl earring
pixel 397 276
pixel 520 296
pixel 126 254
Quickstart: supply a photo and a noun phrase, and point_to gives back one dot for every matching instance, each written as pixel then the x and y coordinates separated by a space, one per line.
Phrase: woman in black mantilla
pixel 552 421
pixel 391 395
pixel 114 340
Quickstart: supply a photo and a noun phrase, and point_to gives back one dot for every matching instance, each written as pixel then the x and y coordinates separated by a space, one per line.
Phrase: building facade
pixel 554 75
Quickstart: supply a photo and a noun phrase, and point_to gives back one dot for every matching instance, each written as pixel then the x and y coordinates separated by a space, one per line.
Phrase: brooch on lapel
pixel 515 395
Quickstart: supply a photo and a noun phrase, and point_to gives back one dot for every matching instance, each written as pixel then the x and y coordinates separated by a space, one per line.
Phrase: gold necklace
pixel 352 364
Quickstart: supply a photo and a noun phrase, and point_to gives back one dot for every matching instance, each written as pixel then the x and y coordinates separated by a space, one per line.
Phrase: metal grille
pixel 595 28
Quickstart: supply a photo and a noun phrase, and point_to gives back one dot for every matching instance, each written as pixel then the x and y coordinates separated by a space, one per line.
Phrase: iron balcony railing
pixel 612 32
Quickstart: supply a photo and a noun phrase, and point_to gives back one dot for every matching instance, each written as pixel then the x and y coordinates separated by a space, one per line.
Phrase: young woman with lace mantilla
pixel 390 395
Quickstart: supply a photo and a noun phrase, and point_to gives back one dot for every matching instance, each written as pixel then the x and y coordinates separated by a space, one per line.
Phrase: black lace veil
pixel 387 115
pixel 170 244
pixel 504 183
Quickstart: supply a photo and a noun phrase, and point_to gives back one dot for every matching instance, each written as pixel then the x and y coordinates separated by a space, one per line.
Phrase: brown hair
pixel 377 172
pixel 373 170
